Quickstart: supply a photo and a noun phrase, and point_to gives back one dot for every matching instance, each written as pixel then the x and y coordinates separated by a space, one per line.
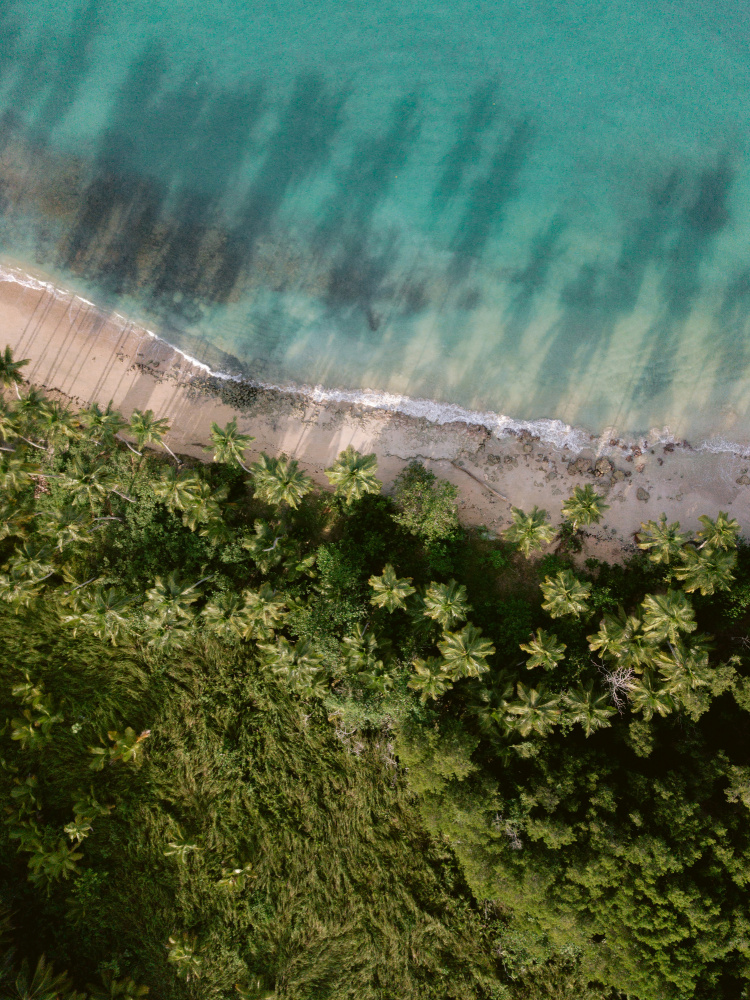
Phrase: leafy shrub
pixel 426 505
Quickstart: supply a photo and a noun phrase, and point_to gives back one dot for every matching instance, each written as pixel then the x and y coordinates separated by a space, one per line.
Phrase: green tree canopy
pixel 529 531
pixel 353 475
pixel 584 506
pixel 564 595
pixel 426 505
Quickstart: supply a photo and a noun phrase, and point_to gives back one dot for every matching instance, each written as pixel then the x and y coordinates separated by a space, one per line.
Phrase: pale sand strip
pixel 86 356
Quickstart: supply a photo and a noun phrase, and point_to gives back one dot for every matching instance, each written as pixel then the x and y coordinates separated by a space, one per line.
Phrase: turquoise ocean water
pixel 536 208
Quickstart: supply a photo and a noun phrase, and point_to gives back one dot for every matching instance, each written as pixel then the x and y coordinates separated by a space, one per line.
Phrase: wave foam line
pixel 550 431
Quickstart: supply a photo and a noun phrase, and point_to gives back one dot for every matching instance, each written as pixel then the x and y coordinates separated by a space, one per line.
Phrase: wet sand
pixel 84 355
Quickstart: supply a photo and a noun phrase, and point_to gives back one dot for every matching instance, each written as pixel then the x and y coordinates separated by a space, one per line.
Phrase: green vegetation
pixel 260 740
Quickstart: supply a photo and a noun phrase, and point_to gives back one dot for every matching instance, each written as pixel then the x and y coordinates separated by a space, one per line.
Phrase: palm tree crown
pixel 280 480
pixel 662 541
pixel 584 506
pixel 536 711
pixel 590 710
pixel 564 595
pixel 707 570
pixel 353 475
pixel 620 638
pixel 529 531
pixel 446 603
pixel 544 650
pixel 430 678
pixel 229 444
pixel 666 615
pixel 646 695
pixel 465 653
pixel 719 534
pixel 10 370
pixel 390 592
pixel 103 424
pixel 148 429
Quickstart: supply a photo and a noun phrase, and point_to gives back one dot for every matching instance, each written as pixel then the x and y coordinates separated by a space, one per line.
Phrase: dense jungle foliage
pixel 261 740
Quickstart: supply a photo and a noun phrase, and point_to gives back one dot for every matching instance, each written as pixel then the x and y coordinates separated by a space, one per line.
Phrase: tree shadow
pixel 599 298
pixel 360 265
pixel 701 221
pixel 488 198
pixel 300 145
pixel 530 281
pixel 464 154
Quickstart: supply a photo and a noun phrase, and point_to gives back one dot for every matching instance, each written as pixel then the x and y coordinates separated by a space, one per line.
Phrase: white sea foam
pixel 552 432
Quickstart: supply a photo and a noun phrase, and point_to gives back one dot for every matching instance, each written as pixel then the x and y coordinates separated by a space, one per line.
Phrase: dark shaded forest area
pixel 262 740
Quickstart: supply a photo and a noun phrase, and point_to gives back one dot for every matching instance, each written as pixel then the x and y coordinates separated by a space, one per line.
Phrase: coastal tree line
pixel 541 766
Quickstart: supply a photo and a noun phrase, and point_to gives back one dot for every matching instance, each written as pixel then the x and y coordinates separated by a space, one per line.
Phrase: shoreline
pixel 85 355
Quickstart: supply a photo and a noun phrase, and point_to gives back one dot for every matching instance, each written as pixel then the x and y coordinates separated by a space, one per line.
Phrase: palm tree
pixel 620 638
pixel 78 830
pixel 169 612
pixel 360 650
pixel 15 516
pixel 584 506
pixel 353 475
pixel 217 531
pixel 147 429
pixel 430 679
pixel 102 425
pixel 280 481
pixel 177 490
pixel 614 632
pixel 57 423
pixel 202 505
pixel 28 413
pixel 105 612
pixel 465 653
pixel 268 546
pixel 65 526
pixel 180 849
pixel 10 370
pixel 298 665
pixel 591 710
pixel 529 531
pixel 535 711
pixel 564 595
pixel 446 603
pixel 116 989
pixel 684 668
pixel 225 616
pixel 172 598
pixel 544 650
pixel 666 615
pixel 8 422
pixel 648 697
pixel 33 559
pixel 707 570
pixel 15 474
pixel 41 984
pixel 719 534
pixel 89 483
pixel 489 703
pixel 390 592
pixel 662 541
pixel 183 952
pixel 229 445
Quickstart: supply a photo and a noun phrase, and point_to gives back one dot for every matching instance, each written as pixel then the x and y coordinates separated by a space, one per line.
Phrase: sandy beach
pixel 83 355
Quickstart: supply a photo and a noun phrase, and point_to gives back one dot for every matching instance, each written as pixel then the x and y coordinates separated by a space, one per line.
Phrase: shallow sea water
pixel 534 208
